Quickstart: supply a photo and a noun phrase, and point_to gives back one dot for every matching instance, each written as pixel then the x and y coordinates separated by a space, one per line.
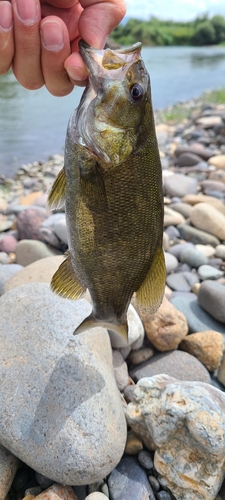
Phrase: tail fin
pixel 92 322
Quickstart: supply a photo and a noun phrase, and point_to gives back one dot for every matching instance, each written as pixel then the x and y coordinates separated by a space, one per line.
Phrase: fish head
pixel 109 120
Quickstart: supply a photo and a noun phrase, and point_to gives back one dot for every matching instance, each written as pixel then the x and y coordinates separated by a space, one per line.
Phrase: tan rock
pixel 221 371
pixel 220 251
pixel 207 218
pixel 217 175
pixel 30 198
pixel 120 370
pixel 40 271
pixel 8 467
pixel 195 288
pixel 193 199
pixel 209 121
pixel 208 250
pixel 218 161
pixel 141 355
pixel 166 328
pixel 207 346
pixel 57 492
pixel 172 218
pixel 185 423
pixel 133 444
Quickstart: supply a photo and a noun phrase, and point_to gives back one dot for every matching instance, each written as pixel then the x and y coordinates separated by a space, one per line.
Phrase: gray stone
pixel 28 251
pixel 171 262
pixel 8 467
pixel 69 423
pixel 43 481
pixel 136 332
pixel 207 272
pixel 196 236
pixel 129 481
pixel 180 185
pixel 211 297
pixel 193 257
pixel 172 218
pixel 182 208
pixel 60 230
pixel 120 370
pixel 178 248
pixel 188 159
pixel 177 364
pixel 185 423
pixel 154 483
pixel 163 495
pixel 81 492
pixel 145 459
pixel 198 319
pixel 6 272
pixel 182 282
pixel 220 251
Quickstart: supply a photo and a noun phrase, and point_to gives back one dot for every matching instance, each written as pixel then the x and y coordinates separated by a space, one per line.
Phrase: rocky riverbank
pixel 70 405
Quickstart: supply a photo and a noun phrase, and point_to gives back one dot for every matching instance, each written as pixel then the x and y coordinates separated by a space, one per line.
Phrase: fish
pixel 111 186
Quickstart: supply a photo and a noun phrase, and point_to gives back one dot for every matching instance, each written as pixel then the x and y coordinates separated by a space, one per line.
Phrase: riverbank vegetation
pixel 203 30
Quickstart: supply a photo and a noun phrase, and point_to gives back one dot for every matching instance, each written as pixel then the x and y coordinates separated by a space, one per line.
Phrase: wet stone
pixel 129 481
pixel 145 459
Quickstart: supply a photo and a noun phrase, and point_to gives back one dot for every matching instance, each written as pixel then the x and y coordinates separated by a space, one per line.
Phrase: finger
pixel 75 66
pixel 70 16
pixel 6 37
pixel 26 63
pixel 99 19
pixel 66 4
pixel 55 49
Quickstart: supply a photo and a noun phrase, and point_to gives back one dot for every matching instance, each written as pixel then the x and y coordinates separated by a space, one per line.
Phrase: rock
pixel 193 199
pixel 120 370
pixel 209 122
pixel 43 481
pixel 60 230
pixel 209 219
pixel 221 371
pixel 70 424
pixel 135 332
pixel 172 218
pixel 193 257
pixel 183 208
pixel 172 232
pixel 8 243
pixel 133 445
pixel 195 148
pixel 30 198
pixel 177 364
pixel 141 355
pixel 8 467
pixel 40 271
pixel 97 495
pixel 198 319
pixel 220 251
pixel 211 297
pixel 166 328
pixel 178 248
pixel 206 346
pixel 29 222
pixel 218 161
pixel 28 251
pixel 166 242
pixel 180 185
pixel 163 495
pixel 217 175
pixel 81 492
pixel 7 271
pixel 207 272
pixel 188 159
pixel 129 481
pixel 182 282
pixel 171 262
pixel 196 236
pixel 208 250
pixel 165 413
pixel 57 492
pixel 211 185
pixel 145 459
pixel 49 237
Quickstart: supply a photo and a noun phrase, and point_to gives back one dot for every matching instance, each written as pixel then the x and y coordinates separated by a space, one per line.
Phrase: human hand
pixel 39 39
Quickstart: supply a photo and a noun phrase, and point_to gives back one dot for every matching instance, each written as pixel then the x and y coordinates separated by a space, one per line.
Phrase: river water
pixel 33 123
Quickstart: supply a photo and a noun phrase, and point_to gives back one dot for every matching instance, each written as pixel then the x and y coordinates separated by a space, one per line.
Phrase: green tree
pixel 218 23
pixel 205 34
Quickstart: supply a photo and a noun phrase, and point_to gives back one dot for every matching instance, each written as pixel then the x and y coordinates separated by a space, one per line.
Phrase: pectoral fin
pixel 56 197
pixel 65 282
pixel 150 294
pixel 92 322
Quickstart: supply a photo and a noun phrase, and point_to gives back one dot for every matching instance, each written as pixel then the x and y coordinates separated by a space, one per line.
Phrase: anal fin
pixel 150 294
pixel 57 194
pixel 91 322
pixel 65 282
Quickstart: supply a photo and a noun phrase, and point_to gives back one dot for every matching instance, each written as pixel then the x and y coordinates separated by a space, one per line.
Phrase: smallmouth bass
pixel 111 185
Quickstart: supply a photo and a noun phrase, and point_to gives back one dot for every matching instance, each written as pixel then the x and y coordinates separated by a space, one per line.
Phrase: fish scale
pixel 111 185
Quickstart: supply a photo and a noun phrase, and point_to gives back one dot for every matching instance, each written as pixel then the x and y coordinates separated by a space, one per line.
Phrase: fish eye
pixel 136 92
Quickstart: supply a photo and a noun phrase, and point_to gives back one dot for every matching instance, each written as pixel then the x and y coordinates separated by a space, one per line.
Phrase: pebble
pixel 178 248
pixel 207 272
pixel 211 297
pixel 60 230
pixel 163 495
pixel 28 251
pixel 7 271
pixel 180 185
pixel 220 251
pixel 203 198
pixel 70 416
pixel 133 445
pixel 218 161
pixel 8 243
pixel 129 481
pixel 81 492
pixel 8 467
pixel 145 459
pixel 120 370
pixel 196 236
pixel 43 481
pixel 183 281
pixel 209 219
pixel 166 328
pixel 198 320
pixel 207 346
pixel 193 257
pixel 172 218
pixel 58 492
pixel 141 355
pixel 177 364
pixel 97 495
pixel 154 483
pixel 135 332
pixel 171 262
pixel 208 250
pixel 188 159
pixel 29 222
pixel 183 208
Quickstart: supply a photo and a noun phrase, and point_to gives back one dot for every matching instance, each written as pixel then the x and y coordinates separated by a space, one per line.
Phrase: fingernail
pixel 5 16
pixel 27 11
pixel 52 36
pixel 76 73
